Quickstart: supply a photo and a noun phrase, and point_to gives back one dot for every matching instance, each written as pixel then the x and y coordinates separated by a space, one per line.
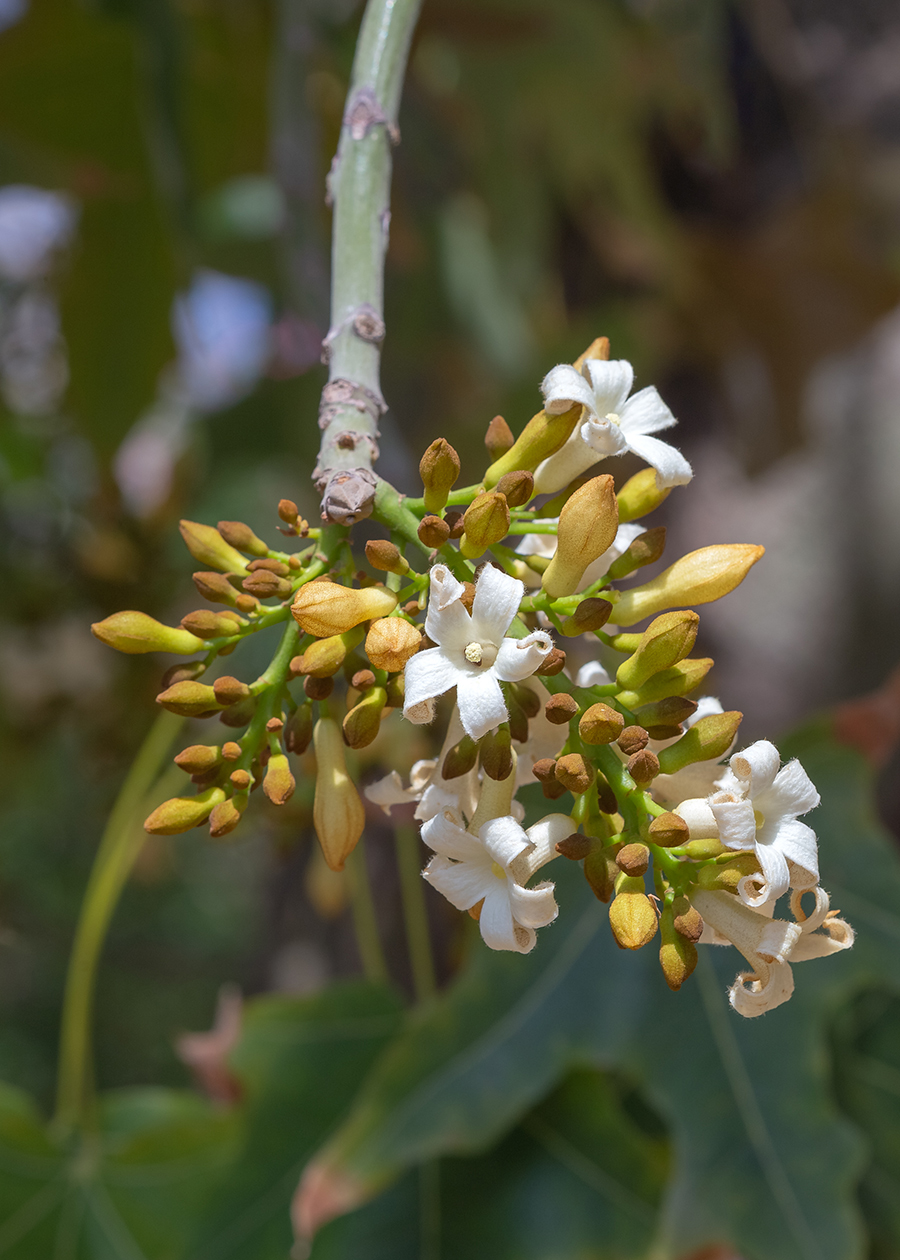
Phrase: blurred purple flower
pixel 33 223
pixel 222 329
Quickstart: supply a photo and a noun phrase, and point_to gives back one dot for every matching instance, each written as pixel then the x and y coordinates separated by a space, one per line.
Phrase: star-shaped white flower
pixel 427 785
pixel 490 870
pixel 545 545
pixel 473 654
pixel 613 425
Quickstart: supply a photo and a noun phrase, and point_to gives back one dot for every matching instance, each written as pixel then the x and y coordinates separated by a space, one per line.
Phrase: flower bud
pixel 499 438
pixel 385 556
pixel 518 721
pixel 600 871
pixel 668 830
pixel 633 859
pixel 544 770
pixel 279 783
pixel 327 608
pixel 561 708
pixel 598 349
pixel 363 722
pixel 135 633
pixel 209 547
pixel 455 520
pixel 439 469
pixel 264 584
pixel 643 767
pixel 318 688
pixel 270 565
pixel 587 527
pixel 225 816
pixel 189 699
pixel 199 758
pixel 240 779
pixel 575 847
pixel 725 878
pixel 362 680
pixel 181 813
pixel 518 487
pixel 288 511
pixel 646 549
pixel 542 436
pixel 495 751
pixel 229 690
pixel 697 578
pixel 528 699
pixel 632 740
pixel 601 724
pixel 239 714
pixel 216 588
pixel 665 642
pixel 239 535
pixel 669 712
pixel 704 847
pixel 687 920
pixel 677 955
pixel 325 657
pixel 395 689
pixel 298 730
pixel 338 814
pixel 574 772
pixel 640 495
pixel 486 522
pixel 632 916
pixel 433 532
pixel 185 671
pixel 553 663
pixel 591 614
pixel 677 681
pixel 391 642
pixel 206 624
pixel 706 740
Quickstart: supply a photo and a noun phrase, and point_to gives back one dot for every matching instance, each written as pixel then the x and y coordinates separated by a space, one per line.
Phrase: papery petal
pixel 798 844
pixel 699 779
pixel 833 936
pixel 498 929
pixel 572 459
pixel 545 835
pixel 428 674
pixel 481 704
pixel 504 840
pixel 809 922
pixel 533 907
pixel 611 381
pixel 774 869
pixel 736 820
pixel 421 773
pixel 700 818
pixel 387 792
pixel 497 599
pixel 437 796
pixel 519 658
pixel 446 835
pixel 792 793
pixel 672 469
pixel 602 437
pixel 756 767
pixel 645 413
pixel 461 883
pixel 537 544
pixel 450 627
pixel 444 588
pixel 706 707
pixel 753 995
pixel 563 386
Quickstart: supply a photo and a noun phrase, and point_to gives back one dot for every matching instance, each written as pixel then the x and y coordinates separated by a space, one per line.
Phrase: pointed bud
pixel 574 772
pixel 241 536
pixel 363 722
pixel 216 588
pixel 600 871
pixel 182 813
pixel 237 715
pixel 725 878
pixel 646 549
pixel 640 495
pixel 587 527
pixel 209 547
pixel 187 671
pixel 326 608
pixel 338 814
pixel 677 681
pixel 433 532
pixel 598 349
pixel 561 708
pixel 385 556
pixel 665 642
pixel 226 816
pixel 460 759
pixel 206 624
pixel 391 642
pixel 279 783
pixel 643 767
pixel 486 522
pixel 518 487
pixel 189 699
pixel 633 859
pixel 706 740
pixel 229 690
pixel 135 633
pixel 632 916
pixel 325 657
pixel 439 470
pixel 499 438
pixel 298 730
pixel 697 578
pixel 668 830
pixel 395 689
pixel 264 584
pixel 518 722
pixel 199 758
pixel 668 712
pixel 575 847
pixel 687 921
pixel 677 955
pixel 591 614
pixel 601 724
pixel 495 752
pixel 542 436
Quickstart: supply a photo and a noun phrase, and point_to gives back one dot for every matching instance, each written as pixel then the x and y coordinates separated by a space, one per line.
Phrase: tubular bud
pixel 338 814
pixel 439 469
pixel 499 438
pixel 496 755
pixel 189 699
pixel 591 614
pixel 225 816
pixel 677 955
pixel 677 681
pixel 181 813
pixel 518 487
pixel 279 783
pixel 665 642
pixel 263 584
pixel 640 495
pixel 486 522
pixel 646 549
pixel 542 436
pixel 298 730
pixel 135 633
pixel 239 535
pixel 209 547
pixel 587 527
pixel 325 657
pixel 601 724
pixel 199 758
pixel 216 588
pixel 631 915
pixel 706 740
pixel 386 557
pixel 433 532
pixel 326 608
pixel 391 642
pixel 725 878
pixel 362 723
pixel 697 578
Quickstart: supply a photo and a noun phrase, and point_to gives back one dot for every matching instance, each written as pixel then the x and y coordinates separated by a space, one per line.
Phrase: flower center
pixel 759 819
pixel 480 653
pixel 497 871
pixel 613 418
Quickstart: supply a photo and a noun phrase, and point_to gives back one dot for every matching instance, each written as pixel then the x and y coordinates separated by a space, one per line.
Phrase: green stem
pixel 119 847
pixel 415 916
pixel 365 924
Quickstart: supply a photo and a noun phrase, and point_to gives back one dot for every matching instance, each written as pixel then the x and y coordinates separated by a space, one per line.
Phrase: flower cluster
pixel 461 624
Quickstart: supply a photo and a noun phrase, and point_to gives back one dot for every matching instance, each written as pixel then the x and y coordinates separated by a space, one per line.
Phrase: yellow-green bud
pixel 298 730
pixel 677 681
pixel 705 847
pixel 587 527
pixel 486 522
pixel 230 690
pixel 632 917
pixel 725 878
pixel 697 578
pixel 706 740
pixel 460 759
pixel 242 536
pixel 216 588
pixel 239 714
pixel 135 633
pixel 391 642
pixel 226 816
pixel 687 919
pixel 518 487
pixel 542 436
pixel 363 722
pixel 591 614
pixel 439 469
pixel 677 954
pixel 665 642
pixel 199 758
pixel 668 712
pixel 338 814
pixel 189 699
pixel 668 830
pixel 327 608
pixel 600 871
pixel 601 724
pixel 646 549
pixel 385 556
pixel 279 783
pixel 325 657
pixel 181 813
pixel 496 753
pixel 209 547
pixel 640 495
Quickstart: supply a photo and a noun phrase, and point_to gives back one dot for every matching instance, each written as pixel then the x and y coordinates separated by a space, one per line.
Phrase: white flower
pixel 473 655
pixel 427 785
pixel 613 425
pixel 769 945
pixel 490 871
pixel 592 674
pixel 545 545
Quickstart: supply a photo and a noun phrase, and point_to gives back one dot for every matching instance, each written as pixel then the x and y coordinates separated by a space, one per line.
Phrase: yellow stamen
pixel 497 871
pixel 474 654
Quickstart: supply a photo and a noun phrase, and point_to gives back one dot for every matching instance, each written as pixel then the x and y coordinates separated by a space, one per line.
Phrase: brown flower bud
pixel 643 767
pixel 633 859
pixel 640 495
pixel 561 708
pixel 363 722
pixel 199 758
pixel 433 532
pixel 666 641
pixel 486 522
pixel 391 642
pixel 135 633
pixel 495 752
pixel 216 588
pixel 553 663
pixel 265 585
pixel 386 557
pixel 677 954
pixel 646 549
pixel 544 769
pixel 288 511
pixel 542 436
pixel 632 740
pixel 669 712
pixel 181 813
pixel 279 783
pixel 518 721
pixel 225 816
pixel 206 624
pixel 632 916
pixel 687 921
pixel 574 772
pixel 298 730
pixel 575 847
pixel 362 680
pixel 189 699
pixel 600 871
pixel 439 469
pixel 237 715
pixel 270 565
pixel 528 699
pixel 706 740
pixel 697 578
pixel 318 688
pixel 606 797
pixel 338 813
pixel 587 527
pixel 677 681
pixel 184 671
pixel 668 830
pixel 591 614
pixel 209 547
pixel 241 536
pixel 601 724
pixel 327 608
pixel 456 522
pixel 229 690
pixel 518 487
pixel 246 603
pixel 460 759
pixel 499 438
pixel 240 780
pixel 231 751
pixel 395 691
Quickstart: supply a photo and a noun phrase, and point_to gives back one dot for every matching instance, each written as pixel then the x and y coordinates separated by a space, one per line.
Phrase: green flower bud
pixel 725 878
pixel 486 522
pixel 363 722
pixel 697 578
pixel 209 547
pixel 496 753
pixel 338 814
pixel 669 712
pixel 591 614
pixel 646 549
pixel 439 470
pixel 460 759
pixel 665 642
pixel 189 699
pixel 587 527
pixel 706 740
pixel 677 955
pixel 226 816
pixel 677 681
pixel 632 916
pixel 600 871
pixel 542 436
pixel 640 495
pixel 181 813
pixel 199 758
pixel 135 633
pixel 239 535
pixel 325 657
pixel 298 730
pixel 279 783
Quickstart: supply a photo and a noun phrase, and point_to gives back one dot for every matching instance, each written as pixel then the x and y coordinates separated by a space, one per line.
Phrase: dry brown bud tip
pixel 633 740
pixel 575 847
pixel 318 688
pixel 561 708
pixel 553 663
